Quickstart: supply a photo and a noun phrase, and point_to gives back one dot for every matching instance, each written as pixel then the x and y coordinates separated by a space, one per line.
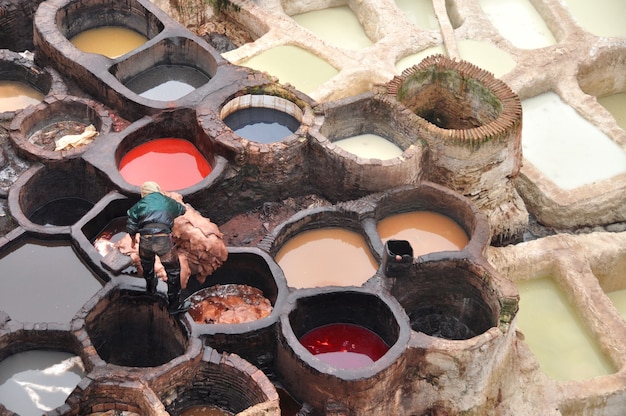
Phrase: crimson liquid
pixel 173 163
pixel 344 345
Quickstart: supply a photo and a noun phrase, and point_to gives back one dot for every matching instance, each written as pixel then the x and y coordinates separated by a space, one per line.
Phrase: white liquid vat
pixel 44 283
pixel 519 22
pixel 416 58
pixel 567 148
pixel 487 56
pixel 338 26
pixel 618 297
pixel 616 105
pixel 293 65
pixel 38 381
pixel 600 17
pixel 420 12
pixel 370 146
pixel 564 347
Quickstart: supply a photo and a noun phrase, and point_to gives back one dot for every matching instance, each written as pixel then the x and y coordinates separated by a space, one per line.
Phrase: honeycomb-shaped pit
pixel 363 145
pixel 76 17
pixel 262 118
pixel 36 130
pixel 439 220
pixel 49 199
pixel 470 121
pixel 452 299
pixel 22 83
pixel 170 149
pixel 27 296
pixel 126 320
pixel 249 331
pixel 323 247
pixel 358 387
pixel 103 395
pixel 167 71
pixel 41 364
pixel 222 382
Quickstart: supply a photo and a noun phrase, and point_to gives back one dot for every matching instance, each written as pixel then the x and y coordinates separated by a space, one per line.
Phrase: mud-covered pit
pixel 248 229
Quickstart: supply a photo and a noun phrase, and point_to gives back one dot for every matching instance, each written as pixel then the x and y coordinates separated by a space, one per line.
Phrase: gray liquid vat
pixel 262 125
pixel 167 82
pixel 44 282
pixel 37 381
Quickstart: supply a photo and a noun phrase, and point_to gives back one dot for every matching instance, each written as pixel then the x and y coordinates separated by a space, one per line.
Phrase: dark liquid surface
pixel 262 125
pixel 44 282
pixel 60 212
pixel 344 345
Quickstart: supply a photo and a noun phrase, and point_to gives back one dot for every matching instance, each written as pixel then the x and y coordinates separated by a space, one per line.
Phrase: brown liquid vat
pixel 15 67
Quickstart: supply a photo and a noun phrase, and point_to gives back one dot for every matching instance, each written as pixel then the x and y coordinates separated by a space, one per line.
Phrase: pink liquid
pixel 173 163
pixel 344 345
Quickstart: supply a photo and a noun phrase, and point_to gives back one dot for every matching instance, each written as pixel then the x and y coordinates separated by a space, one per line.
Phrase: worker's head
pixel 149 187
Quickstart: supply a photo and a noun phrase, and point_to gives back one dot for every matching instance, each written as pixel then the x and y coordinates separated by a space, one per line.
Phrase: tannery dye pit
pixel 388 208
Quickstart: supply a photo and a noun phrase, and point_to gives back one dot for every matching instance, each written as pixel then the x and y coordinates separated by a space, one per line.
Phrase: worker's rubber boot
pixel 175 306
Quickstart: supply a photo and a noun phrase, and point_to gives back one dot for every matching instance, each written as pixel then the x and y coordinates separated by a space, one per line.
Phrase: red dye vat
pixel 344 345
pixel 172 163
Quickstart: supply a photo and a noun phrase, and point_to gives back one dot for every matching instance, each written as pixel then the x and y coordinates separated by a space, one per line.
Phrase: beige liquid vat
pixel 370 146
pixel 616 105
pixel 569 150
pixel 326 257
pixel 416 58
pixel 519 22
pixel 420 12
pixel 15 95
pixel 486 56
pixel 427 231
pixel 600 17
pixel 110 41
pixel 293 65
pixel 618 297
pixel 338 26
pixel 564 347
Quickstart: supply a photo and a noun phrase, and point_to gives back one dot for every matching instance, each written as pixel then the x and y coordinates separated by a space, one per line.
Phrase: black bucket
pixel 397 258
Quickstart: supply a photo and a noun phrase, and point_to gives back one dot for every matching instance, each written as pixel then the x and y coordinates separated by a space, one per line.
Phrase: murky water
pixel 262 125
pixel 326 257
pixel 205 410
pixel 38 381
pixel 427 231
pixel 44 282
pixel 370 146
pixel 62 211
pixel 569 141
pixel 294 65
pixel 338 26
pixel 110 41
pixel 519 22
pixel 15 95
pixel 167 82
pixel 563 345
